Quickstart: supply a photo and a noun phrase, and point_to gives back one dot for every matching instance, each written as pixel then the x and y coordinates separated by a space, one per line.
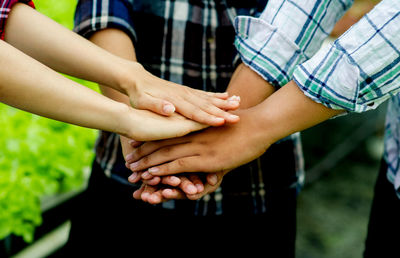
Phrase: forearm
pixel 250 86
pixel 61 49
pixel 29 85
pixel 288 111
pixel 119 44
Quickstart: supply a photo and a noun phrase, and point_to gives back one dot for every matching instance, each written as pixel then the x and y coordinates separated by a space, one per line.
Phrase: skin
pixel 252 89
pixel 209 151
pixel 66 52
pixel 118 43
pixel 47 93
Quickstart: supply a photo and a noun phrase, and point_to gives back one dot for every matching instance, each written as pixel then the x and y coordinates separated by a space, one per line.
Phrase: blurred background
pixel 38 181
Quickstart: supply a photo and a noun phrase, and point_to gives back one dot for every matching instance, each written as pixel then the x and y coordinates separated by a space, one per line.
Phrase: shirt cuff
pixel 360 70
pixel 257 43
pixel 340 93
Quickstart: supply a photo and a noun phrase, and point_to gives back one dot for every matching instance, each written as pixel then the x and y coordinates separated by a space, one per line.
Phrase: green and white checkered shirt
pixel 357 72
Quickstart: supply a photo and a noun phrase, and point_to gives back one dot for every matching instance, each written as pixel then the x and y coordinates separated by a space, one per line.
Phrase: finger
pixel 156 197
pixel 212 179
pixel 186 164
pixel 195 111
pixel 135 143
pixel 171 180
pixel 166 154
pixel 173 194
pixel 219 95
pixel 138 193
pixel 213 110
pixel 146 175
pixel 208 188
pixel 134 178
pixel 154 181
pixel 148 190
pixel 210 108
pixel 187 186
pixel 150 147
pixel 156 105
pixel 197 182
pixel 232 103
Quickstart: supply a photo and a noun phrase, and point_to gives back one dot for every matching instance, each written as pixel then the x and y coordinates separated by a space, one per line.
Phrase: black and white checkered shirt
pixel 190 42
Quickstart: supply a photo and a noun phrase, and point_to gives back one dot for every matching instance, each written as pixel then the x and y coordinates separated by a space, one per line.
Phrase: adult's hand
pixel 212 150
pixel 155 194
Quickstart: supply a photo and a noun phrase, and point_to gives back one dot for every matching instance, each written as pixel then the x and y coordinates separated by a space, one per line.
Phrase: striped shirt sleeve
pixel 361 69
pixel 287 33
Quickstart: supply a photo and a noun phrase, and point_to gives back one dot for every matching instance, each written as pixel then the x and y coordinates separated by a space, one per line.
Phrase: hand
pixel 143 125
pixel 192 188
pixel 212 150
pixel 147 91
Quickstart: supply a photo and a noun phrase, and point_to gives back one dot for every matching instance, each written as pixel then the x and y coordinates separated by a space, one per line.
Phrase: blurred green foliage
pixel 39 156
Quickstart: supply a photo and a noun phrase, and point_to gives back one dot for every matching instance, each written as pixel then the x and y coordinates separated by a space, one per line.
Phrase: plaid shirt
pixel 190 43
pixel 5 8
pixel 357 72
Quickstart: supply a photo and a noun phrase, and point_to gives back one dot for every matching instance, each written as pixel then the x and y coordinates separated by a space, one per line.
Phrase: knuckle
pixel 138 153
pixel 145 161
pixel 166 150
pixel 181 162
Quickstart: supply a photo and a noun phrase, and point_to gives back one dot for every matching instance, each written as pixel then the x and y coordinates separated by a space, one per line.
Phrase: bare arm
pixel 119 44
pixel 252 89
pixel 250 86
pixel 66 52
pixel 286 111
pixel 29 85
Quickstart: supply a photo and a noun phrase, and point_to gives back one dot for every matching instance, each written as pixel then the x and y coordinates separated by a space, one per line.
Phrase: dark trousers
pixel 109 221
pixel 384 223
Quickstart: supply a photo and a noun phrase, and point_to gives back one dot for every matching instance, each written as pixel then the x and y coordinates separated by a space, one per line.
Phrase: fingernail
pixel 146 175
pixel 154 199
pixel 153 170
pixel 129 157
pixel 191 189
pixel 213 179
pixel 233 117
pixel 145 196
pixel 132 142
pixel 219 120
pixel 168 109
pixel 175 180
pixel 233 98
pixel 132 177
pixel 134 165
pixel 199 188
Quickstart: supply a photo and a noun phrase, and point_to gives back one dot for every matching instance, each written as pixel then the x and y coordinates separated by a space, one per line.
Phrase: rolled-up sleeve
pixel 361 69
pixel 94 15
pixel 287 33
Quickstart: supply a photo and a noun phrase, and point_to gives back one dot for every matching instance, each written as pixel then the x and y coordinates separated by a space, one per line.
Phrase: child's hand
pixel 147 91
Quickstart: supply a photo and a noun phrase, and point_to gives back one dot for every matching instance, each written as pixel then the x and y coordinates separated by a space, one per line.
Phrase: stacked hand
pixel 149 92
pixel 194 165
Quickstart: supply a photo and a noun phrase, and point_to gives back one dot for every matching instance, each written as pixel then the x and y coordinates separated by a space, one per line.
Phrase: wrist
pixel 128 76
pixel 125 120
pixel 257 132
